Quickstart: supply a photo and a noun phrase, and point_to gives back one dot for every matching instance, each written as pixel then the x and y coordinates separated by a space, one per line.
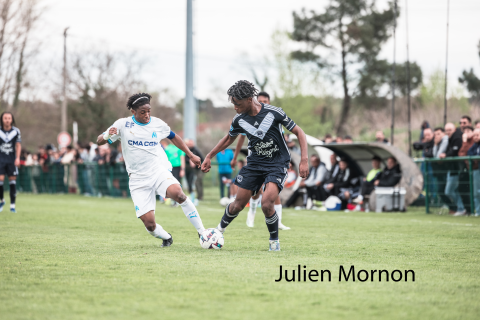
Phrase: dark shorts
pixel 8 169
pixel 252 178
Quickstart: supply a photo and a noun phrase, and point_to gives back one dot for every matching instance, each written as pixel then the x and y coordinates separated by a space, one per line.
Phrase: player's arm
pixel 104 137
pixel 18 151
pixel 302 140
pixel 240 142
pixel 221 145
pixel 177 141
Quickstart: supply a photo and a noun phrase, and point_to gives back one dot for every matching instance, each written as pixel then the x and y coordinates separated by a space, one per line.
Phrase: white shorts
pixel 145 188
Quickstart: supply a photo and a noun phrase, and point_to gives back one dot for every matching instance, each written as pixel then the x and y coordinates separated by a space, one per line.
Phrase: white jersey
pixel 141 147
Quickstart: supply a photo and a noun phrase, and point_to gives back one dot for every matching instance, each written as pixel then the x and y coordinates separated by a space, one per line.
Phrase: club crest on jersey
pixel 259 133
pixel 239 178
pixel 154 135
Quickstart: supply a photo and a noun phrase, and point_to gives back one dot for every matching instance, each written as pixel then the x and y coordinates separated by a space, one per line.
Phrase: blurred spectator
pixel 440 169
pixel 465 121
pixel 70 176
pixel 291 176
pixel 334 167
pixel 338 139
pixel 291 144
pixel 368 182
pixel 347 139
pixel 424 126
pixel 389 177
pixel 312 184
pixel 477 124
pixel 380 137
pixel 344 185
pixel 475 151
pixel 328 138
pixel 233 188
pixel 193 173
pixel 454 145
pixel 440 142
pixel 224 170
pixel 463 176
pixel 176 158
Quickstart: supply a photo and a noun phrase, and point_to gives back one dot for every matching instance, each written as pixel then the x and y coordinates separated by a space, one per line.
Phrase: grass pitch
pixel 71 257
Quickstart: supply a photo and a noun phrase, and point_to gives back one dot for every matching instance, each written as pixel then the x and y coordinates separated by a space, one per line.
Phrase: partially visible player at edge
pixel 10 149
pixel 147 164
pixel 268 159
pixel 262 97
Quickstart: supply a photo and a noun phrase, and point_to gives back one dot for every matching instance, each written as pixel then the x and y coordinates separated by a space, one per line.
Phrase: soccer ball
pixel 211 239
pixel 224 201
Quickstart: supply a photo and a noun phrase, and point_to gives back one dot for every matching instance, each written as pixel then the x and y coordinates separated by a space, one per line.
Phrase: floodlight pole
pixel 446 69
pixel 189 107
pixel 63 121
pixel 393 71
pixel 408 87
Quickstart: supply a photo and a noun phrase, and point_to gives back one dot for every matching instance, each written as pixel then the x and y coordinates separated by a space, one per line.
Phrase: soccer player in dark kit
pixel 10 149
pixel 268 155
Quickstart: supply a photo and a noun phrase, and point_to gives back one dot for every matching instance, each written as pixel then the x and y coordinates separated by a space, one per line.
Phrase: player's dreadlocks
pixel 241 90
pixel 138 100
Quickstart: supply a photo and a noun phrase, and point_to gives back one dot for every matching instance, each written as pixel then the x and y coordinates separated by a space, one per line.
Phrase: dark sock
pixel 13 191
pixel 272 225
pixel 227 218
pixel 1 190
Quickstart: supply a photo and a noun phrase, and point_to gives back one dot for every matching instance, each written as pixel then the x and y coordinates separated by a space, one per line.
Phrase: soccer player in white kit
pixel 147 164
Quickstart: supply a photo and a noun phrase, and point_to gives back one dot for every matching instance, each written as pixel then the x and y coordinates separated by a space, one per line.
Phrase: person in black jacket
pixel 192 171
pixel 454 144
pixel 343 184
pixel 389 177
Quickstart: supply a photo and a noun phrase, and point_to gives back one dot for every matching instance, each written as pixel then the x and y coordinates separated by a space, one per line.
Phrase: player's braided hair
pixel 241 90
pixel 138 100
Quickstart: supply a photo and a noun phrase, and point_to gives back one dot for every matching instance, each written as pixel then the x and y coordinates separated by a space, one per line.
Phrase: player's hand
pixel 182 173
pixel 17 162
pixel 112 131
pixel 196 161
pixel 303 168
pixel 206 165
pixel 233 163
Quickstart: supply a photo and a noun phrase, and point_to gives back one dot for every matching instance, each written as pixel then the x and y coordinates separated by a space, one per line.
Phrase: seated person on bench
pixel 344 184
pixel 312 183
pixel 389 177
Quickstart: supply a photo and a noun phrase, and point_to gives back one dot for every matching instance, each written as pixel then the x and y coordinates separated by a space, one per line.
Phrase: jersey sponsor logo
pixel 6 148
pixel 266 149
pixel 154 135
pixel 239 178
pixel 129 124
pixel 142 143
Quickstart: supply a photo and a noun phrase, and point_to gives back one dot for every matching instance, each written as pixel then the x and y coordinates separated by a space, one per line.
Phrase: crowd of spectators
pixel 451 179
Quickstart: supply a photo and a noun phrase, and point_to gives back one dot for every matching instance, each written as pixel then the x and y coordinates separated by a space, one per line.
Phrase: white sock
pixel 278 209
pixel 253 205
pixel 12 206
pixel 192 214
pixel 159 233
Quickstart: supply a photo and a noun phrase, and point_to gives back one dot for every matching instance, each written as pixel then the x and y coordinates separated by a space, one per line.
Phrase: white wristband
pixel 107 136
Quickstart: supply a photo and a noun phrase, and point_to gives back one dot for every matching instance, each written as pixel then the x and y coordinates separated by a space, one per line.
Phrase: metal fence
pixel 451 184
pixel 88 179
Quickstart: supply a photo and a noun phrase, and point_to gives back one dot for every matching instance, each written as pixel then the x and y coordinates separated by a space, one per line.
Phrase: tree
pixel 471 81
pixel 17 21
pixel 354 28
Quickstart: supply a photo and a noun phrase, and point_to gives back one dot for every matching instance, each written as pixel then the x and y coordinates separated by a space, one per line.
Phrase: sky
pixel 226 30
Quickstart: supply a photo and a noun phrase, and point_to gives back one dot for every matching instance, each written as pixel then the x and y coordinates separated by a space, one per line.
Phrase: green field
pixel 72 257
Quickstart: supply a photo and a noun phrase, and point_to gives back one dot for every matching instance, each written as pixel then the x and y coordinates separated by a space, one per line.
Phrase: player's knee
pixel 150 225
pixel 268 211
pixel 181 198
pixel 235 207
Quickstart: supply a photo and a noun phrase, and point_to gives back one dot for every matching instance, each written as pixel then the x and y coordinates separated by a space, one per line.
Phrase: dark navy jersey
pixel 266 146
pixel 8 142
